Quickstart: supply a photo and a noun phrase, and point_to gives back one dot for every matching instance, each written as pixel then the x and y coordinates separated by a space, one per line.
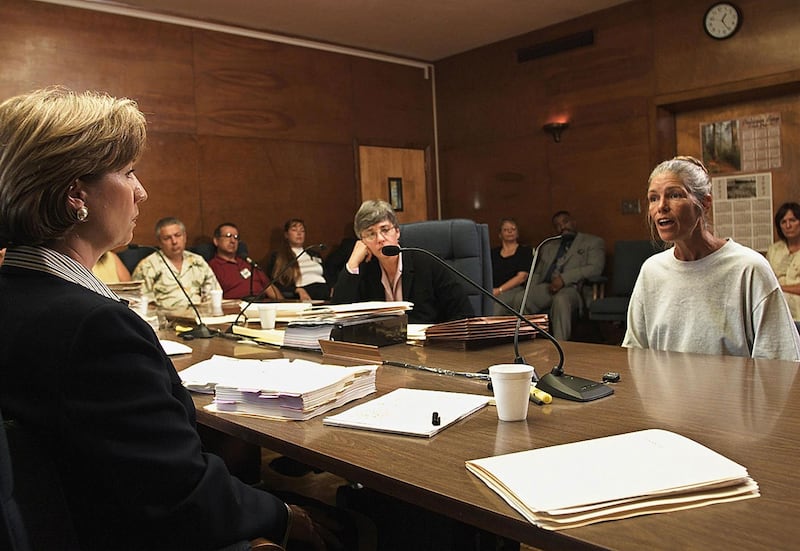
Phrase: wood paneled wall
pixel 633 98
pixel 257 132
pixel 240 129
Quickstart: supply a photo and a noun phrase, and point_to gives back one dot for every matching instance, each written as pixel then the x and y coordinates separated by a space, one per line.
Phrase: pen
pixel 440 371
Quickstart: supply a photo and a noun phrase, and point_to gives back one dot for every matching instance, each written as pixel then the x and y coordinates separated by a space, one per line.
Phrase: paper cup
pixel 267 313
pixel 511 384
pixel 216 300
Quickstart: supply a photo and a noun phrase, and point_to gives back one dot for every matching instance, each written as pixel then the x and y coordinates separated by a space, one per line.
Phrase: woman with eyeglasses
pixel 370 275
pixel 704 294
pixel 304 277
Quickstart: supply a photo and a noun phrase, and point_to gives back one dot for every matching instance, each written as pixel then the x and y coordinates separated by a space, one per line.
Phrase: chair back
pixel 628 259
pixel 462 243
pixel 133 255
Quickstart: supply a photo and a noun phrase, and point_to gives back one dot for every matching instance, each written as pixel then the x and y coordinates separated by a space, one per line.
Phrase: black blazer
pixel 436 293
pixel 89 376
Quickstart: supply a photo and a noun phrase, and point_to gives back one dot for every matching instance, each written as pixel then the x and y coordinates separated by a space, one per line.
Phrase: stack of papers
pixel 128 290
pixel 278 389
pixel 381 329
pixel 356 309
pixel 471 333
pixel 638 473
pixel 287 311
pixel 410 412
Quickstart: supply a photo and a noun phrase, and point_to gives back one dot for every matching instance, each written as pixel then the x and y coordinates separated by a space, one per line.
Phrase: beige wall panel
pixel 378 164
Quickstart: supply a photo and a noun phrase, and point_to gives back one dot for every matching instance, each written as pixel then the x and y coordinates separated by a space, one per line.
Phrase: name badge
pixel 245 273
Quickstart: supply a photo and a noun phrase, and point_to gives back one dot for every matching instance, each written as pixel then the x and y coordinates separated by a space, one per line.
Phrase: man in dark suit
pixel 560 272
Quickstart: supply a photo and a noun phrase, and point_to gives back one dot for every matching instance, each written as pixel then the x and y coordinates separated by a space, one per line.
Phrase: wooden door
pixel 398 176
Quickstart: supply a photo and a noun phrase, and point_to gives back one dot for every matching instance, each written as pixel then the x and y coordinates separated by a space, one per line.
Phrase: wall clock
pixel 722 20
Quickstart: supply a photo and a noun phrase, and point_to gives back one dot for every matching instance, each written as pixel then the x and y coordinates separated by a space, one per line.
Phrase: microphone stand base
pixel 573 388
pixel 200 332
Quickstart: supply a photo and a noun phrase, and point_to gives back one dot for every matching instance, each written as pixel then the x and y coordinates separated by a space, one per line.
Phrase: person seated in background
pixel 782 255
pixel 563 266
pixel 370 275
pixel 295 276
pixel 100 392
pixel 190 268
pixel 704 294
pixel 511 263
pixel 110 269
pixel 237 277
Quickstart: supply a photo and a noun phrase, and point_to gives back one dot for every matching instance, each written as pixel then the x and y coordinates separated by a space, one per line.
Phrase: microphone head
pixel 390 250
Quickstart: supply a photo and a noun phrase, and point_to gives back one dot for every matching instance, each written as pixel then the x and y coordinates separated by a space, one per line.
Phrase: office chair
pixel 133 255
pixel 628 259
pixel 463 244
pixel 33 509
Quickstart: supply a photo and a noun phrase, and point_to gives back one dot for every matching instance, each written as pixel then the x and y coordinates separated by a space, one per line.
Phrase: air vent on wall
pixel 557 46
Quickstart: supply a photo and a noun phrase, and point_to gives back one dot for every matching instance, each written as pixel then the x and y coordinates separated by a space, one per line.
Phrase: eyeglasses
pixel 373 235
pixel 230 235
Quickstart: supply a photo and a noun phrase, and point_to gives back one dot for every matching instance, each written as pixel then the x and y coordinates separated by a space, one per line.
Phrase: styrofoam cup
pixel 216 300
pixel 267 313
pixel 511 384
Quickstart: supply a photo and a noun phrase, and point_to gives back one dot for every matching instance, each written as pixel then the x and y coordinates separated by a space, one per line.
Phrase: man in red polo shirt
pixel 237 277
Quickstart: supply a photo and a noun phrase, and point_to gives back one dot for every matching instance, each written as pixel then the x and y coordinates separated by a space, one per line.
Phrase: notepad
pixel 616 477
pixel 410 412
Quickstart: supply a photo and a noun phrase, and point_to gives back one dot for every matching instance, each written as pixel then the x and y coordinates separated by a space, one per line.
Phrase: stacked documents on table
pixel 638 473
pixel 278 389
pixel 130 291
pixel 378 323
pixel 287 311
pixel 471 333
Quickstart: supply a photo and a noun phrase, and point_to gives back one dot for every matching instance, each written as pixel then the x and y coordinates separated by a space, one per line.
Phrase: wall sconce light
pixel 555 129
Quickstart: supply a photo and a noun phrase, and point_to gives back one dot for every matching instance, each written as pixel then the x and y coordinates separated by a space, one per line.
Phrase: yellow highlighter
pixel 540 397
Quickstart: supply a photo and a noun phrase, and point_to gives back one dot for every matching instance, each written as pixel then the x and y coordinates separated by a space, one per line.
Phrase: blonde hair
pixel 50 138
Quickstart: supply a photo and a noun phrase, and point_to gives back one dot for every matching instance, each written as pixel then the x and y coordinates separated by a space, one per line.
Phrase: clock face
pixel 722 20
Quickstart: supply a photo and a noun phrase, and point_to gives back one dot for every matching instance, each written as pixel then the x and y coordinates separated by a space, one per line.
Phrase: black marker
pixel 435 419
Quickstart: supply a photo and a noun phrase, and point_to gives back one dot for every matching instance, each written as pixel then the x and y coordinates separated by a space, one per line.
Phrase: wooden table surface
pixel 738 407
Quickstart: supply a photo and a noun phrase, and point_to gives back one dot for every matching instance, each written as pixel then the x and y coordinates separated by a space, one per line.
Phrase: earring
pixel 82 214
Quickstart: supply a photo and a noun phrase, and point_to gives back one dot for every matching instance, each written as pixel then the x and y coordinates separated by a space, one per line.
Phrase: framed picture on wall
pixel 396 193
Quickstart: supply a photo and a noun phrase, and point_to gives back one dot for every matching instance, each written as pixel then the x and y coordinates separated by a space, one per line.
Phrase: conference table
pixel 739 407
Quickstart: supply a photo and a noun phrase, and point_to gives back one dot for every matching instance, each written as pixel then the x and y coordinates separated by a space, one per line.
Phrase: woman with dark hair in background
pixel 783 255
pixel 511 264
pixel 304 277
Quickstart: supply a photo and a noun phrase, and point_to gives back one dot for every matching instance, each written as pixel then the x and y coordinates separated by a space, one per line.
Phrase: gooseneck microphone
pixel 556 382
pixel 201 331
pixel 394 250
pixel 263 293
pixel 253 267
pixel 519 358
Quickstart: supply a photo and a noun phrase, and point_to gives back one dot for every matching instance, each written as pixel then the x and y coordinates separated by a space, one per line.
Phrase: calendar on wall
pixel 742 209
pixel 742 145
